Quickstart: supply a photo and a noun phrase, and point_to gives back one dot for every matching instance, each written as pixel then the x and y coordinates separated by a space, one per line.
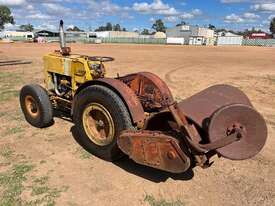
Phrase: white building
pixel 228 38
pixel 192 34
pixel 17 34
pixel 113 34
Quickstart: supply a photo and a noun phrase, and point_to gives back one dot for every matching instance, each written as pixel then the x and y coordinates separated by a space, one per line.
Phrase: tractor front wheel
pixel 36 106
pixel 100 115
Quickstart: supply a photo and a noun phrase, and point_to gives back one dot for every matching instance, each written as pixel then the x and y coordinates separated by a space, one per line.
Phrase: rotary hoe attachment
pixel 219 120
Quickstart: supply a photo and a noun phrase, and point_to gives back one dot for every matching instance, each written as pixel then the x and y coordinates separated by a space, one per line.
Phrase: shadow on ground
pixel 148 173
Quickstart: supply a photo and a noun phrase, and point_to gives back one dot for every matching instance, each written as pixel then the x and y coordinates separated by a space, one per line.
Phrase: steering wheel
pixel 101 59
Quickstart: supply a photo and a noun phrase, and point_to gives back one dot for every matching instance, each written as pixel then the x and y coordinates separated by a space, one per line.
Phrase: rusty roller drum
pixel 221 110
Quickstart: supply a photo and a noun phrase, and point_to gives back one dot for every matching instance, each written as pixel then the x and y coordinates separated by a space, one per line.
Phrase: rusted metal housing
pixel 152 92
pixel 219 120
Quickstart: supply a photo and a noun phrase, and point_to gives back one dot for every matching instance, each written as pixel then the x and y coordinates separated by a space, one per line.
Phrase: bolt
pixel 171 155
pixel 100 123
pixel 239 136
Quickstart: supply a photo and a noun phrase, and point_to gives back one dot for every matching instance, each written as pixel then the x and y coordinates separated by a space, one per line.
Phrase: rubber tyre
pixel 118 111
pixel 41 98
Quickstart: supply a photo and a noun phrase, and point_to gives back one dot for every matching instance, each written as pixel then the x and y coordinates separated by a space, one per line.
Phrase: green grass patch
pixel 12 183
pixel 8 95
pixel 6 152
pixel 13 130
pixel 153 202
pixel 271 78
pixel 83 154
pixel 8 83
pixel 43 162
pixel 2 114
pixel 43 194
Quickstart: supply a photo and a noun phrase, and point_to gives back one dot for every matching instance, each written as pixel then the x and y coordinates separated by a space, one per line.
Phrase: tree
pixel 101 28
pixel 182 23
pixel 27 27
pixel 145 32
pixel 74 28
pixel 211 26
pixel 117 27
pixel 109 27
pixel 5 17
pixel 159 26
pixel 272 26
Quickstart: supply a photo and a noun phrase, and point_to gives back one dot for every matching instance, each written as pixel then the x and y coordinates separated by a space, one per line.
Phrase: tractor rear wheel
pixel 36 106
pixel 100 115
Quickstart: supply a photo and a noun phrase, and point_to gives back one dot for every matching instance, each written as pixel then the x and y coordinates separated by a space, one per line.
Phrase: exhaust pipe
pixel 64 50
pixel 62 35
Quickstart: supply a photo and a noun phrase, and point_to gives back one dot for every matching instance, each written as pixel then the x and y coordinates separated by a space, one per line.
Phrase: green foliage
pixel 272 26
pixel 110 27
pixel 5 16
pixel 159 26
pixel 27 27
pixel 116 27
pixel 182 23
pixel 145 32
pixel 211 26
pixel 153 202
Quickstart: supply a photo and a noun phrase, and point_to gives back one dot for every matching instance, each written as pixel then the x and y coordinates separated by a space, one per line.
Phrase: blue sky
pixel 139 14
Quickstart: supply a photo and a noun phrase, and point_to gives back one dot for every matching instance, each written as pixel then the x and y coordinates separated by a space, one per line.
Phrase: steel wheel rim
pixel 98 124
pixel 31 106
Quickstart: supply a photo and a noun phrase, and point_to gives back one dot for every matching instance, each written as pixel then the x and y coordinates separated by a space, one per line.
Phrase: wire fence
pixel 259 42
pixel 245 42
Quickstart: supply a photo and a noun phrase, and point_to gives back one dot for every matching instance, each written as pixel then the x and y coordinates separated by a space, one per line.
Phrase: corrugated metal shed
pixel 175 40
pixel 230 40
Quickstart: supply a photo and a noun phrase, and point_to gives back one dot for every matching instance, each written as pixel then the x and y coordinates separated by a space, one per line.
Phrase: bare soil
pixel 48 167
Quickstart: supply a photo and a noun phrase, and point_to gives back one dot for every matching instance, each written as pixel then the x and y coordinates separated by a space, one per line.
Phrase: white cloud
pixel 47 26
pixel 56 9
pixel 171 19
pixel 156 7
pixel 39 16
pixel 12 2
pixel 249 15
pixel 190 15
pixel 233 18
pixel 264 7
pixel 244 18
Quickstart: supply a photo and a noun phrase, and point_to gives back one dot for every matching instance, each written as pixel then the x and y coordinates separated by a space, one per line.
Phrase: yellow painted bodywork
pixel 75 66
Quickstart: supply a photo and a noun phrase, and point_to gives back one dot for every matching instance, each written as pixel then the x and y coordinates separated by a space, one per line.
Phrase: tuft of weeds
pixel 43 162
pixel 153 202
pixel 8 94
pixel 8 84
pixel 83 154
pixel 6 152
pixel 3 114
pixel 12 182
pixel 271 78
pixel 41 180
pixel 13 130
pixel 43 194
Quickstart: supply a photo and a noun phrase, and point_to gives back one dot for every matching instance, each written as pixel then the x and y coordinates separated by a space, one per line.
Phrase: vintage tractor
pixel 136 115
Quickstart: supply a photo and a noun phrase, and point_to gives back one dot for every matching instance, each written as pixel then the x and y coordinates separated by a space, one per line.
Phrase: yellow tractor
pixel 136 115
